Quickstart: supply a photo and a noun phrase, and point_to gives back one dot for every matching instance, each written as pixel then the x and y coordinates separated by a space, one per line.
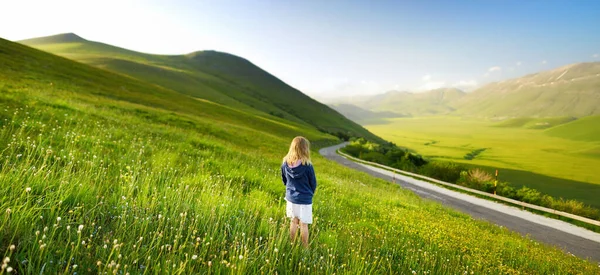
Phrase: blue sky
pixel 338 48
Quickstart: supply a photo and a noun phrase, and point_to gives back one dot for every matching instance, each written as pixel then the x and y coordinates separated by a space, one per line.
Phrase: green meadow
pixel 557 156
pixel 102 173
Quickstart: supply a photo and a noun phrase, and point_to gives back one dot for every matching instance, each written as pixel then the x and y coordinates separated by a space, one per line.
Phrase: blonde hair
pixel 299 150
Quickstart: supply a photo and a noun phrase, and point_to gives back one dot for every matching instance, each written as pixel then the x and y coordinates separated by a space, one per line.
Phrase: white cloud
pixel 465 84
pixel 426 77
pixel 494 69
pixel 510 69
pixel 519 63
pixel 432 85
pixel 486 74
pixel 595 55
pixel 544 62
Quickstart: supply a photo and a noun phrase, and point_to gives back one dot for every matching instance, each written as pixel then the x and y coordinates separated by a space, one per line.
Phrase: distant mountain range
pixel 215 76
pixel 568 91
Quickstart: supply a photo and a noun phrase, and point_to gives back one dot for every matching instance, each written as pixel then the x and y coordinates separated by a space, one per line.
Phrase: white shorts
pixel 301 211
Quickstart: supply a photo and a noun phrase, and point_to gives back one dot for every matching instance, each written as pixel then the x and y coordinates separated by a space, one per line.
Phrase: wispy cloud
pixel 519 63
pixel 596 55
pixel 426 77
pixel 544 62
pixel 432 85
pixel 494 69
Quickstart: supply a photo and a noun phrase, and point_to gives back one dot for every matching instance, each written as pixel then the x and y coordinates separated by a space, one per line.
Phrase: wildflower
pixel 12 247
pixel 209 263
pixel 8 211
pixel 28 189
pixel 9 269
pixel 241 257
pixel 276 250
pixel 194 257
pixel 68 227
pixel 80 227
pixel 6 260
pixel 58 219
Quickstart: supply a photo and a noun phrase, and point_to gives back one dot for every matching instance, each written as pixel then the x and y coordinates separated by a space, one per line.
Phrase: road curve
pixel 570 238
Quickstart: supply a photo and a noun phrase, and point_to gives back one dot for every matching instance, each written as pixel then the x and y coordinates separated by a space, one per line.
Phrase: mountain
pixel 572 90
pixel 215 76
pixel 359 115
pixel 434 102
pixel 568 91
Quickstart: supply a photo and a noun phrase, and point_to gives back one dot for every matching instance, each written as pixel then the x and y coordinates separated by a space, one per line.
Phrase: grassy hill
pixel 219 77
pixel 584 129
pixel 572 90
pixel 106 173
pixel 432 102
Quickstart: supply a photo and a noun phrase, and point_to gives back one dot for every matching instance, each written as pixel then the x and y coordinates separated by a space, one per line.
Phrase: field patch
pixel 534 123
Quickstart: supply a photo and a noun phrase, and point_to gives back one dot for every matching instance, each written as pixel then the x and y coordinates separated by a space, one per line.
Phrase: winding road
pixel 575 240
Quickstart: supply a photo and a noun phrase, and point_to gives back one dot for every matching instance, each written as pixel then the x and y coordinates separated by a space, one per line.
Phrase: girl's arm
pixel 283 178
pixel 312 179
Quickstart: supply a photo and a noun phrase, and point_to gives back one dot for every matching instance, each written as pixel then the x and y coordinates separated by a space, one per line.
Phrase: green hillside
pixel 219 77
pixel 103 173
pixel 584 129
pixel 434 102
pixel 572 90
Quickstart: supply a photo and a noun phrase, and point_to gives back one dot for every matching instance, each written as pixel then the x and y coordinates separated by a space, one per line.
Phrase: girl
pixel 298 176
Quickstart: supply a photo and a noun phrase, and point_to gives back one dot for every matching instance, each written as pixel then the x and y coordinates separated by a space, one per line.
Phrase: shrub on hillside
pixel 444 171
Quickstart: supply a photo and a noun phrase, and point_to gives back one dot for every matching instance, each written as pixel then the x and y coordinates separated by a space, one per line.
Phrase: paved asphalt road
pixel 584 243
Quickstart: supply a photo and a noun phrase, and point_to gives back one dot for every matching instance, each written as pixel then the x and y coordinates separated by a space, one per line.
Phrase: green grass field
pixel 561 167
pixel 104 173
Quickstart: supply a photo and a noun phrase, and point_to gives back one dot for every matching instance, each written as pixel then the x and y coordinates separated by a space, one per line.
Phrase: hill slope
pixel 434 102
pixel 211 75
pixel 104 173
pixel 585 129
pixel 572 90
pixel 359 115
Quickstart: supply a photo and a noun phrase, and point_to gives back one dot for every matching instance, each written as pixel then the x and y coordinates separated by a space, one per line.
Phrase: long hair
pixel 299 150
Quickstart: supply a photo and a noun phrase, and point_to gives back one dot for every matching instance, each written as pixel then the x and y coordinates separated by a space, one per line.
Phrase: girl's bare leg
pixel 294 228
pixel 304 234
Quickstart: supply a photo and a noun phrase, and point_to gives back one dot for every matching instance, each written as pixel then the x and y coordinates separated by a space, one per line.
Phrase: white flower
pixel 58 219
pixel 194 257
pixel 12 247
pixel 9 269
pixel 241 257
pixel 68 227
pixel 80 227
pixel 6 260
pixel 276 250
pixel 28 189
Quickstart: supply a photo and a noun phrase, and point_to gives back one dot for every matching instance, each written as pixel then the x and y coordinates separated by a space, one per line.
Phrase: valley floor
pixel 556 166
